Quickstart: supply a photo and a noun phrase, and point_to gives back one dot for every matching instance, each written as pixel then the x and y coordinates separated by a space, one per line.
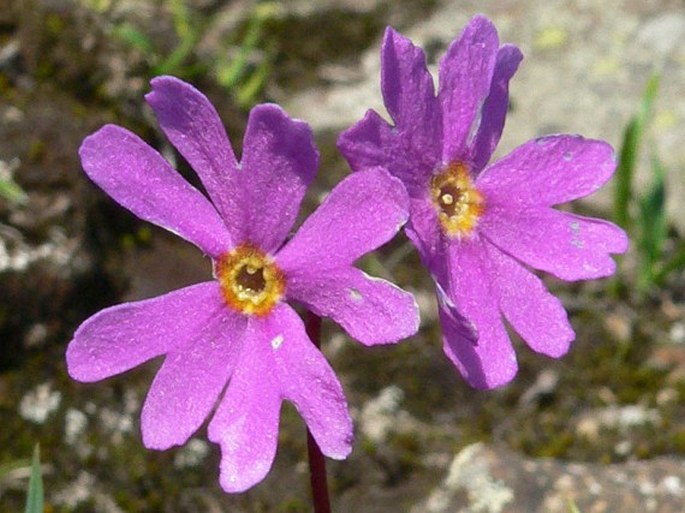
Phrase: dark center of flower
pixel 251 279
pixel 251 283
pixel 458 202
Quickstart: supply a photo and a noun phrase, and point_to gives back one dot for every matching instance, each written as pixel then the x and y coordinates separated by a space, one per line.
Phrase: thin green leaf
pixel 653 224
pixel 135 39
pixel 34 496
pixel 247 93
pixel 628 154
pixel 674 264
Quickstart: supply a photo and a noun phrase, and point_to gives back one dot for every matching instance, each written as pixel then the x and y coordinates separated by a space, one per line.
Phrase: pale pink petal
pixel 362 212
pixel 122 337
pixel 569 246
pixel 536 315
pixel 483 353
pixel 307 380
pixel 139 179
pixel 466 72
pixel 549 171
pixel 279 161
pixel 371 310
pixel 495 107
pixel 409 95
pixel 371 142
pixel 193 126
pixel 190 381
pixel 246 421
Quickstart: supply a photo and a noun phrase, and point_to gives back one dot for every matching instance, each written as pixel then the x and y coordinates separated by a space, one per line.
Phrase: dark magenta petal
pixel 373 143
pixel 466 72
pixel 278 362
pixel 488 360
pixel 193 126
pixel 409 95
pixel 549 171
pixel 494 109
pixel 535 314
pixel 362 212
pixel 119 338
pixel 370 310
pixel 141 180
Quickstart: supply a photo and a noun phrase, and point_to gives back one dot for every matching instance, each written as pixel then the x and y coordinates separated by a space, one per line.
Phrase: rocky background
pixel 603 428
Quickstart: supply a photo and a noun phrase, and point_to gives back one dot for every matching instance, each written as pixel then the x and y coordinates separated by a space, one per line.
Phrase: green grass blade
pixel 676 263
pixel 632 136
pixel 572 508
pixel 653 224
pixel 134 38
pixel 34 496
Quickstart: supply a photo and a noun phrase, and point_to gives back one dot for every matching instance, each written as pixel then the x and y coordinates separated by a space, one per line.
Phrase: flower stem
pixel 317 463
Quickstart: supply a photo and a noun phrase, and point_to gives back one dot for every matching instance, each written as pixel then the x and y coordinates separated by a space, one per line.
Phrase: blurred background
pixel 603 428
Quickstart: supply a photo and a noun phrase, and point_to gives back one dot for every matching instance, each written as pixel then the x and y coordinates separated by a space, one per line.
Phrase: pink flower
pixel 235 335
pixel 477 226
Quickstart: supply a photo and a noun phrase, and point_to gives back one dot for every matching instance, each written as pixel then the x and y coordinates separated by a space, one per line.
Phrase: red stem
pixel 317 462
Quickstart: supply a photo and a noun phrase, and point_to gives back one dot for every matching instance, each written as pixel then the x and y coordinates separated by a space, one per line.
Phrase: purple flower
pixel 476 226
pixel 236 335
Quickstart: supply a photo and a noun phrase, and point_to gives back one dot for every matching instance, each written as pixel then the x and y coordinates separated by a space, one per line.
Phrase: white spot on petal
pixel 356 296
pixel 277 341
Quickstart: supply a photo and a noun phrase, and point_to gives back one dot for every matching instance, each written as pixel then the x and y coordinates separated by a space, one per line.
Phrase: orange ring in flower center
pixel 251 283
pixel 458 202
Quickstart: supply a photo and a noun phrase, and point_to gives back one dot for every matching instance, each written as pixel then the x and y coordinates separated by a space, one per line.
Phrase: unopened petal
pixel 141 180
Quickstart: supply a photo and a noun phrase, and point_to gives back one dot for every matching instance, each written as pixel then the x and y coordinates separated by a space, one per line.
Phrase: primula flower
pixel 235 337
pixel 477 226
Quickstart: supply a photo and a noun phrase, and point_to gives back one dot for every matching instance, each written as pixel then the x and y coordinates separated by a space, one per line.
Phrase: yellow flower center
pixel 458 202
pixel 251 283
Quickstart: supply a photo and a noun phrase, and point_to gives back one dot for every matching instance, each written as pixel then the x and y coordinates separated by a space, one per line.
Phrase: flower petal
pixel 119 338
pixel 278 362
pixel 190 381
pixel 409 95
pixel 371 142
pixel 466 72
pixel 308 381
pixel 193 126
pixel 495 107
pixel 490 360
pixel 569 246
pixel 139 179
pixel 536 315
pixel 549 171
pixel 246 421
pixel 362 212
pixel 371 310
pixel 279 161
